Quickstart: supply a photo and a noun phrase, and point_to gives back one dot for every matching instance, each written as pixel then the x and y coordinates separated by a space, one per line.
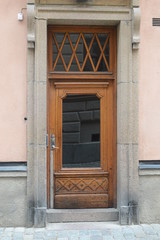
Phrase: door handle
pixel 53 145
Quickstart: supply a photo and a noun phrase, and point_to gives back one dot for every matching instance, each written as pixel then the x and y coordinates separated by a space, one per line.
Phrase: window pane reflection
pixel 81 131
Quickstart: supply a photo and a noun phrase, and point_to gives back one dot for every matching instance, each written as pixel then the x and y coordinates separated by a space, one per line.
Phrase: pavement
pixel 83 231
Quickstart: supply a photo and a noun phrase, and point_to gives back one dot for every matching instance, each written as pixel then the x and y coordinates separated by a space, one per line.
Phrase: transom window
pixel 80 51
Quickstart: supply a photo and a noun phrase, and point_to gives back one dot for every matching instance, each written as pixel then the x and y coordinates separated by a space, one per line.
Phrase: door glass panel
pixel 81 131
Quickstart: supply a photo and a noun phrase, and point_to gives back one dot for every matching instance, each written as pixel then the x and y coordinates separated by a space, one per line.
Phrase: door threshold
pixel 83 226
pixel 82 215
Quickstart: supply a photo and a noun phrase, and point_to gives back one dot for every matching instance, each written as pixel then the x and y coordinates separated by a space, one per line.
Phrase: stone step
pixel 82 215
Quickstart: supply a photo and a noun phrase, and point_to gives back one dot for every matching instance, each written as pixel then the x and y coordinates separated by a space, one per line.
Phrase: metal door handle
pixel 53 142
pixel 54 147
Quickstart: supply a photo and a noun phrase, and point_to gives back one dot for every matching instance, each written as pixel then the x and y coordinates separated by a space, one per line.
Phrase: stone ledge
pixel 94 9
pixel 88 2
pixel 13 174
pixel 82 215
pixel 149 172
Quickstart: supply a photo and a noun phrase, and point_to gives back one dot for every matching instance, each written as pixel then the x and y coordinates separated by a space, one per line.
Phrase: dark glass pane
pixel 81 131
pixel 88 66
pixel 74 38
pixel 74 66
pixel 88 37
pixel 95 52
pixel 102 66
pixel 106 53
pixel 59 66
pixel 102 38
pixel 59 38
pixel 67 51
pixel 81 52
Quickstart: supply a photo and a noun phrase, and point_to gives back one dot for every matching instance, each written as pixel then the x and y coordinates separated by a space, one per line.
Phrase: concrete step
pixel 82 215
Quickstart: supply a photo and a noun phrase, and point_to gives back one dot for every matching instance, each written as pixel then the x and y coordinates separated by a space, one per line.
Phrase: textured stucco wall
pixel 149 82
pixel 13 201
pixel 12 81
pixel 149 196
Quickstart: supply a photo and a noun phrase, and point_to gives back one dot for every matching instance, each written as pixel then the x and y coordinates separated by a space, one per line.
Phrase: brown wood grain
pixel 81 201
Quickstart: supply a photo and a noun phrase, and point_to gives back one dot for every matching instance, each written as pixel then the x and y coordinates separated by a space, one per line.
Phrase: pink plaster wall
pixel 12 82
pixel 149 83
pixel 13 50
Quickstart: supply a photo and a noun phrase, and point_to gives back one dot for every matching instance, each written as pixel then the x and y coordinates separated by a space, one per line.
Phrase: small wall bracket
pixel 136 27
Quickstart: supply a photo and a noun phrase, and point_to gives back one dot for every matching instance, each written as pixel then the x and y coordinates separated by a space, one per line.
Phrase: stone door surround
pixel 126 18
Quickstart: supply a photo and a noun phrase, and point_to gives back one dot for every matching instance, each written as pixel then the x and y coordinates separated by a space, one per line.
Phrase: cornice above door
pixel 89 2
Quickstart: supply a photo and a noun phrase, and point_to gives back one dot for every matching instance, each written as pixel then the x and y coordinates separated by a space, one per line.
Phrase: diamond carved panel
pixel 81 185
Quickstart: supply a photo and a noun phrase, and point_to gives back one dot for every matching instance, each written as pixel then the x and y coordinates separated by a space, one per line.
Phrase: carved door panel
pixel 81 113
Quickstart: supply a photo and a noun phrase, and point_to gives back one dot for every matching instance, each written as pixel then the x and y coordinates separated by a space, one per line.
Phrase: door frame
pixel 127 21
pixel 60 80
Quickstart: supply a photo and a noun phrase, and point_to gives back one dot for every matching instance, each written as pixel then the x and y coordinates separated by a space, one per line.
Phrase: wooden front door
pixel 81 113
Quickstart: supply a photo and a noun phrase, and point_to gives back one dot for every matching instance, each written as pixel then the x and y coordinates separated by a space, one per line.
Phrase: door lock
pixel 53 144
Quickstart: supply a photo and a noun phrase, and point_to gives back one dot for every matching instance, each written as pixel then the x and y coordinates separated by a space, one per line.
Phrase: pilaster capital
pixel 30 1
pixel 135 3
